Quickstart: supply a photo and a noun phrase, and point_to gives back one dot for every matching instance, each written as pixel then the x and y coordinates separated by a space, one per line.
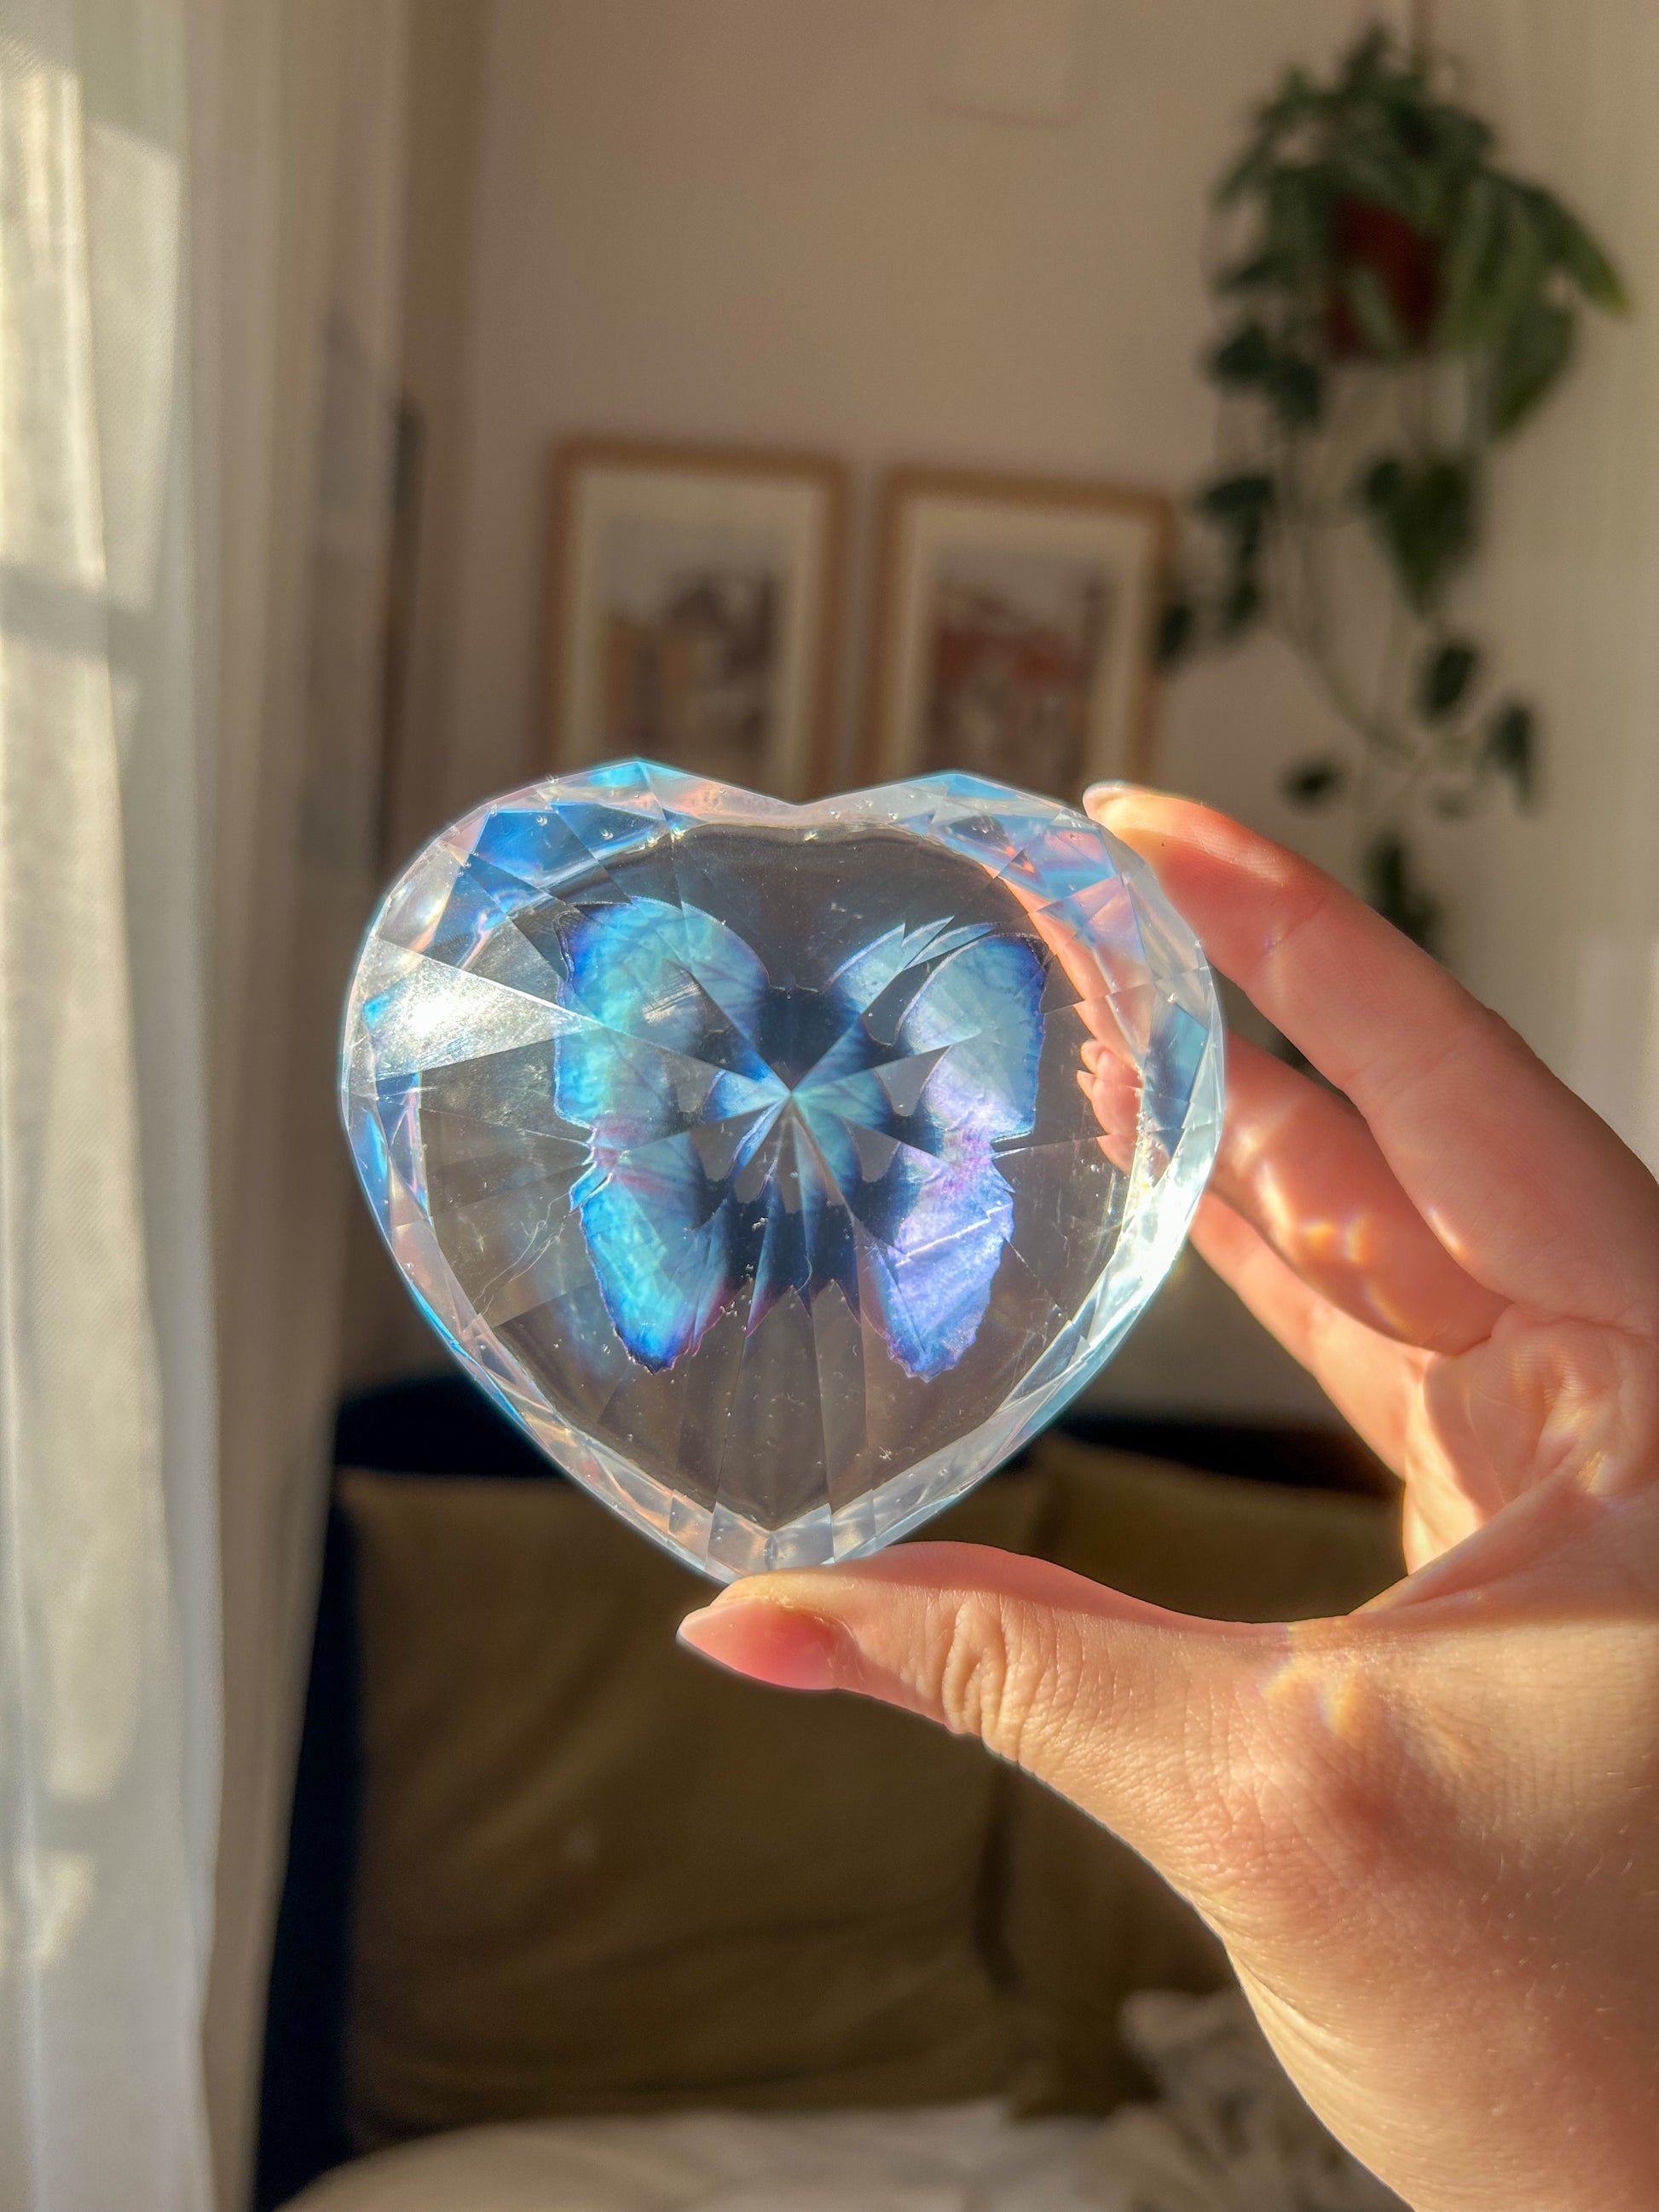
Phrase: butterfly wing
pixel 658 1071
pixel 963 1080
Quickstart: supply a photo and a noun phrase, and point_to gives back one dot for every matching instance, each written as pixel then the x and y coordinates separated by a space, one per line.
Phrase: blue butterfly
pixel 746 1139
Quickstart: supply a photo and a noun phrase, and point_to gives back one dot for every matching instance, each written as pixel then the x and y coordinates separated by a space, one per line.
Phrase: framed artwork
pixel 1015 620
pixel 693 600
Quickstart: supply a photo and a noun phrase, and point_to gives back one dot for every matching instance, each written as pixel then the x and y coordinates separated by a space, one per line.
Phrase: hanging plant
pixel 1396 305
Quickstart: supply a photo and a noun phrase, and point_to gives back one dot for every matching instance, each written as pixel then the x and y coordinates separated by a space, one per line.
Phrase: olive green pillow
pixel 597 1876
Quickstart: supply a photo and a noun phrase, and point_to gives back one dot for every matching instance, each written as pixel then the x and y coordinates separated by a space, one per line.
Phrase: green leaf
pixel 1571 247
pixel 1394 890
pixel 1312 783
pixel 1462 141
pixel 1296 391
pixel 1447 674
pixel 1246 496
pixel 1250 360
pixel 1177 626
pixel 1520 263
pixel 1296 98
pixel 1380 487
pixel 1242 176
pixel 1252 168
pixel 1256 272
pixel 1511 747
pixel 1372 170
pixel 1533 353
pixel 1442 521
pixel 1366 59
pixel 1373 310
pixel 1249 532
pixel 1423 519
pixel 1298 198
pixel 1496 264
pixel 1242 604
pixel 1296 103
pixel 1466 273
pixel 1246 358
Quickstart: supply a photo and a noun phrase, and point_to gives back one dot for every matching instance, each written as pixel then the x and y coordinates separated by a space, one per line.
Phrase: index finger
pixel 1528 1189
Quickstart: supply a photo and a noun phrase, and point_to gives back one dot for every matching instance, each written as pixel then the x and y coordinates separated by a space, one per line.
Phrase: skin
pixel 1428 1832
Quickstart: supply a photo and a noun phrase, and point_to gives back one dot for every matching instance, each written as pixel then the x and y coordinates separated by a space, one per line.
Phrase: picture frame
pixel 693 600
pixel 1015 625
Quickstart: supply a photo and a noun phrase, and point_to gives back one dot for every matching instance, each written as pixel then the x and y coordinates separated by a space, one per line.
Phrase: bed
pixel 573 1922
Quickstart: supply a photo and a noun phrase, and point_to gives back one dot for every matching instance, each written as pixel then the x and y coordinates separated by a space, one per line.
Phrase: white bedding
pixel 941 2160
pixel 1229 2134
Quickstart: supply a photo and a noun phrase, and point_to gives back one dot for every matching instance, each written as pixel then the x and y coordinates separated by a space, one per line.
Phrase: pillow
pixel 1212 1544
pixel 596 1875
pixel 1082 1920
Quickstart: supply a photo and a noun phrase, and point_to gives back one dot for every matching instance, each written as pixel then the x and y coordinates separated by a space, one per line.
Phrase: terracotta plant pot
pixel 1365 235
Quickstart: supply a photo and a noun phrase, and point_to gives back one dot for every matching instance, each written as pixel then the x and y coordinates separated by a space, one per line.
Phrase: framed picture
pixel 1015 620
pixel 693 601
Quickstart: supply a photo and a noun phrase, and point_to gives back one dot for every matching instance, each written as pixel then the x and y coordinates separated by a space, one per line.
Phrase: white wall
pixel 383 1334
pixel 446 88
pixel 1560 915
pixel 752 220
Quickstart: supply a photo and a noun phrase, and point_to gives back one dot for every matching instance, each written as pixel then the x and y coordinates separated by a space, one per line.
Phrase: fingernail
pixel 773 1643
pixel 1102 798
pixel 1101 801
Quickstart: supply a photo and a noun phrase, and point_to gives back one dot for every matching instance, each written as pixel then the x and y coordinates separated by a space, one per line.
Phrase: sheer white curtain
pixel 108 1673
pixel 198 254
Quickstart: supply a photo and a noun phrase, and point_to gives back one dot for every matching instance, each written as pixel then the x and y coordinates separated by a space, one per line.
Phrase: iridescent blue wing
pixel 657 1069
pixel 941 1066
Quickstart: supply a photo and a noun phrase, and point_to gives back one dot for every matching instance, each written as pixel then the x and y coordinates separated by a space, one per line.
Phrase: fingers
pixel 1122 1707
pixel 1379 1385
pixel 1299 1164
pixel 1373 1382
pixel 1528 1190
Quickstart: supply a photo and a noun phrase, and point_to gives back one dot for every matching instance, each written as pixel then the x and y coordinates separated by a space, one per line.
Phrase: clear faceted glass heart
pixel 780 1169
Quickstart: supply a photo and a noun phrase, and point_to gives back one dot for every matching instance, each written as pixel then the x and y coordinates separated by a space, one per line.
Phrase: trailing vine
pixel 1394 307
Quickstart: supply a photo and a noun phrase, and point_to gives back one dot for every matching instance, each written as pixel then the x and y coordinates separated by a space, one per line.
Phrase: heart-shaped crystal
pixel 780 1169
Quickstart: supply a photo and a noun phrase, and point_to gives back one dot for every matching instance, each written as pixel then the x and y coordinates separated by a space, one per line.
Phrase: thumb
pixel 1130 1711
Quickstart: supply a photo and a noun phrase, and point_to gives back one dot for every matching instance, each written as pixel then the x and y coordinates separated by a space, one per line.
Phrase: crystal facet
pixel 780 1169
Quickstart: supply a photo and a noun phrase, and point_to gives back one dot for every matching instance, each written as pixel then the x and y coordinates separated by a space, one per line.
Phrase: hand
pixel 1428 1833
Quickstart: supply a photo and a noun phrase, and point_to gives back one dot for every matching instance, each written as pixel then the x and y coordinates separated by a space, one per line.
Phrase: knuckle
pixel 1302 901
pixel 1011 1687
